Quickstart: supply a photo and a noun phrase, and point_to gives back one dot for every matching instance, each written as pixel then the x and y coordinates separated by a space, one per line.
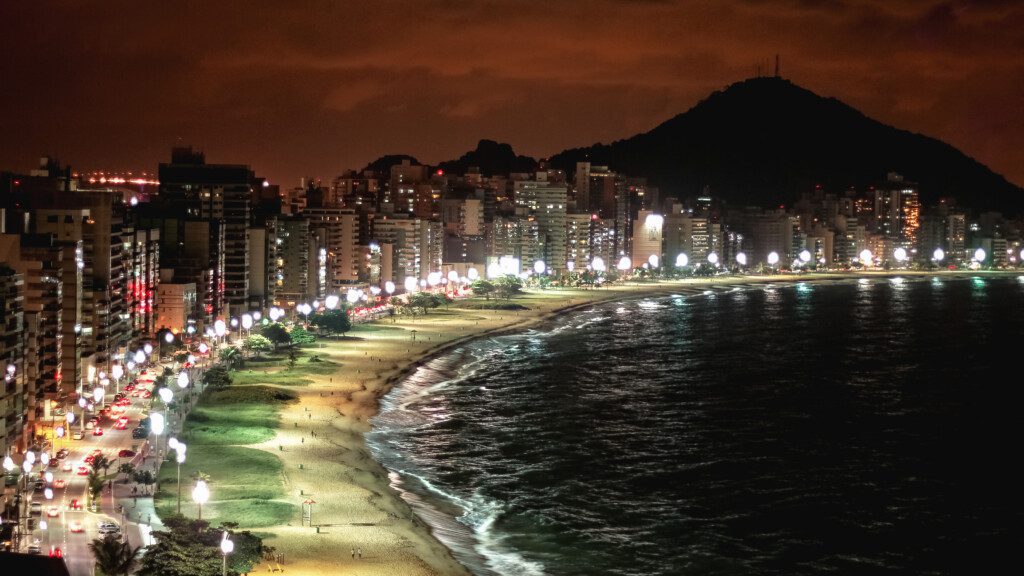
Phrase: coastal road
pixel 75 545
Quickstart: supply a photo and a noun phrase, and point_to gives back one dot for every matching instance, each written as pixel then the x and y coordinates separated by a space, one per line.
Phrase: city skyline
pixel 320 102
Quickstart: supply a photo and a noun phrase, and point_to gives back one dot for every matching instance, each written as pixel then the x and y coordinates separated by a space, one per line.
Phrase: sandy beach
pixel 325 458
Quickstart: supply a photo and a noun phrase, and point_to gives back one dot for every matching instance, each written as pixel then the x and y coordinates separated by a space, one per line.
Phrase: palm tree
pixel 231 356
pixel 113 557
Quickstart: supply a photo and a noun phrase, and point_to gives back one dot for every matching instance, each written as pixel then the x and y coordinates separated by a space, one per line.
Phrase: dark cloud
pixel 309 88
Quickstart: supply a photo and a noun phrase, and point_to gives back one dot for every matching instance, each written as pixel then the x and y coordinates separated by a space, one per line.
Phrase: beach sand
pixel 355 503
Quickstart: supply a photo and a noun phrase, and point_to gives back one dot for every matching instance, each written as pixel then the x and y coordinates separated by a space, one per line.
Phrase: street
pixel 58 534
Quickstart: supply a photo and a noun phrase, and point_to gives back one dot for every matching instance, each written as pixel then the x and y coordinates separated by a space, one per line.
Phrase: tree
pixel 95 483
pixel 217 377
pixel 144 477
pixel 508 286
pixel 101 462
pixel 190 547
pixel 181 356
pixel 301 337
pixel 423 301
pixel 258 344
pixel 331 321
pixel 127 469
pixel 292 358
pixel 277 335
pixel 114 557
pixel 232 357
pixel 483 288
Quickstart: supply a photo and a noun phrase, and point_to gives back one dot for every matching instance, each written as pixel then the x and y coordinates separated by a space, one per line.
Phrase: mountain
pixel 383 164
pixel 763 141
pixel 491 158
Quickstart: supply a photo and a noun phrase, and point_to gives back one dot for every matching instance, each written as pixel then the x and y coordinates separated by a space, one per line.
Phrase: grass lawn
pixel 274 370
pixel 235 415
pixel 246 484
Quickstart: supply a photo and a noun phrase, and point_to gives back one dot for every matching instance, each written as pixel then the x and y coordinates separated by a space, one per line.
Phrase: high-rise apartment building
pixel 12 359
pixel 546 203
pixel 218 193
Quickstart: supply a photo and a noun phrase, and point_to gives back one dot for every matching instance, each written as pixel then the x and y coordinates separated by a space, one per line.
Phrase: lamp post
pixel 180 460
pixel 156 426
pixel 81 404
pixel 200 495
pixel 226 547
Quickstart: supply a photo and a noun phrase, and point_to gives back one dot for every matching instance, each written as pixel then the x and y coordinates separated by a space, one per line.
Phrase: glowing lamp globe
pixel 97 394
pixel 181 455
pixel 169 337
pixel 624 264
pixel 713 258
pixel 48 493
pixel 203 348
pixel 1022 255
pixel 148 348
pixel 805 256
pixel 434 278
pixel 140 356
pixel 410 284
pixel 182 379
pixel 352 295
pixel 682 260
pixel 8 463
pixel 331 302
pixel 247 321
pixel 27 467
pixel 865 256
pixel 82 402
pixel 226 545
pixel 980 254
pixel 939 254
pixel 70 417
pixel 374 290
pixel 773 258
pixel 741 259
pixel 30 457
pixel 117 371
pixel 201 493
pixel 49 475
pixel 156 423
pixel 900 254
pixel 472 274
pixel 172 443
pixel 453 276
pixel 653 260
pixel 45 458
pixel 389 287
pixel 539 266
pixel 219 328
pixel 493 270
pixel 598 264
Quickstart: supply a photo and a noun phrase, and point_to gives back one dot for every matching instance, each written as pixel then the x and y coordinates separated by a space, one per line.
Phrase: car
pixel 52 511
pixel 75 504
pixel 145 394
pixel 127 388
pixel 88 459
pixel 35 509
pixel 121 423
pixel 90 424
pixel 82 471
pixel 60 483
pixel 105 411
pixel 55 552
pixel 34 548
pixel 77 435
pixel 61 454
pixel 97 431
pixel 126 453
pixel 76 526
pixel 108 528
pixel 66 466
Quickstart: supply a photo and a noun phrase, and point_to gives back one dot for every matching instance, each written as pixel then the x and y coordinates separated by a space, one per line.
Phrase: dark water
pixel 868 427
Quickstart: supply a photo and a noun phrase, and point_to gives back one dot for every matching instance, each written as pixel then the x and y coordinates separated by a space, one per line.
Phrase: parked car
pixel 52 511
pixel 77 435
pixel 60 483
pixel 109 528
pixel 35 509
pixel 62 453
pixel 34 548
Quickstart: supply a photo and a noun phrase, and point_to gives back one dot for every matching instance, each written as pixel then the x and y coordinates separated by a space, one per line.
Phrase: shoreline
pixel 356 502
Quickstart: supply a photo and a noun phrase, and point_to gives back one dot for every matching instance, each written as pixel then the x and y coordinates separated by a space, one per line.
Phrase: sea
pixel 868 426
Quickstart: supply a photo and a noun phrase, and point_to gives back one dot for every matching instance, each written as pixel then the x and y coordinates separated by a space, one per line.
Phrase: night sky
pixel 310 88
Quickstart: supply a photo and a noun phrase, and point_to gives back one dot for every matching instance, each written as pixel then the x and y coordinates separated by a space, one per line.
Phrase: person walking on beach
pixel 359 553
pixel 353 553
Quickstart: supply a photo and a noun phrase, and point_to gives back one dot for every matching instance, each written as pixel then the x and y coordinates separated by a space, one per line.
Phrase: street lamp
pixel 713 259
pixel 81 404
pixel 166 395
pixel 980 254
pixel 147 348
pixel 624 264
pixel 410 284
pixel 538 267
pixel 939 255
pixel 900 254
pixel 866 257
pixel 773 258
pixel 226 547
pixel 741 259
pixel 182 379
pixel 169 337
pixel 200 494
pixel 682 260
pixel 140 357
pixel 598 264
pixel 331 302
pixel 389 287
pixel 653 260
pixel 805 256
